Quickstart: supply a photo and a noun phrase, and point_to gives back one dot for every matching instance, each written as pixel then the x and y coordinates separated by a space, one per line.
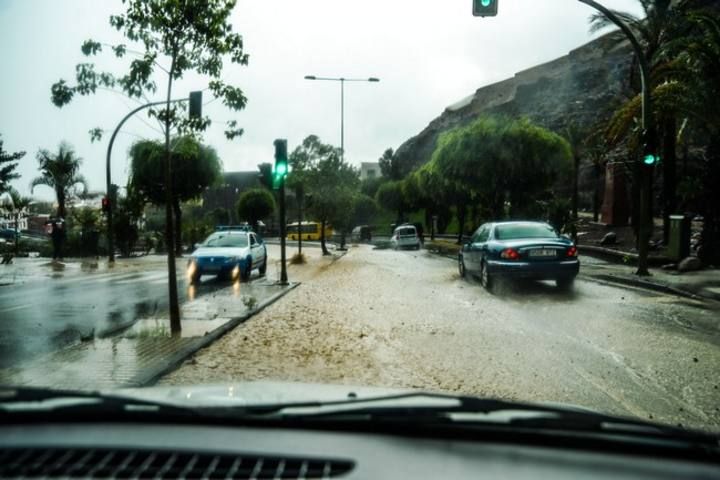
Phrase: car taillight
pixel 572 252
pixel 509 254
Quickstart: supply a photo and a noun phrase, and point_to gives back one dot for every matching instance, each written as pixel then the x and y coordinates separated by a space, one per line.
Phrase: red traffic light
pixel 105 204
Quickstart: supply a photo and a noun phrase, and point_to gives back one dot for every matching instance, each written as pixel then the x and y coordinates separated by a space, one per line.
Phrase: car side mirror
pixel 195 246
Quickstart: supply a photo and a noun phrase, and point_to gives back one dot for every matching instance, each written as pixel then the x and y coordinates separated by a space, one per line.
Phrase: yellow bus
pixel 308 230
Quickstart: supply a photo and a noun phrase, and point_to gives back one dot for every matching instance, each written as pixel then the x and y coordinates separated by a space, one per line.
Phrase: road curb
pixel 638 283
pixel 168 364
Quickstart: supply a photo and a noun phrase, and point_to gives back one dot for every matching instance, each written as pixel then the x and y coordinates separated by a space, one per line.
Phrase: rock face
pixel 581 87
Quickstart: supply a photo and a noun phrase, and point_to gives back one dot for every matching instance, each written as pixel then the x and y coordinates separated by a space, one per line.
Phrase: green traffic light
pixel 281 169
pixel 485 3
pixel 650 159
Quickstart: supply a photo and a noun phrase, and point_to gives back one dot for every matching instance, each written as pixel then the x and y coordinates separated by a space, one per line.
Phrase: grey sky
pixel 427 53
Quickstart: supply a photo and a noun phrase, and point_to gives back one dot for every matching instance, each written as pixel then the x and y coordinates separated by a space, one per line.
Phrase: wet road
pixel 51 306
pixel 406 319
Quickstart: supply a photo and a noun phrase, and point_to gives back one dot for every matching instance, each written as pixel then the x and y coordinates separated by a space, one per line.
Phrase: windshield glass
pixel 466 197
pixel 226 240
pixel 525 230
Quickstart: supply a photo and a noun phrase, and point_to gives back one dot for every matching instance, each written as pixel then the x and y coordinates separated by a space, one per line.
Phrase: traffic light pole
pixel 283 263
pixel 645 223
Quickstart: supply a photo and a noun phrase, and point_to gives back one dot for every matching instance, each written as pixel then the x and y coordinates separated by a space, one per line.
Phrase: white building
pixel 369 170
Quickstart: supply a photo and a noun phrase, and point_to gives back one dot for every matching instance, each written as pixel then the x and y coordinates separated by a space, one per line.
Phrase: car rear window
pixel 406 231
pixel 226 240
pixel 524 230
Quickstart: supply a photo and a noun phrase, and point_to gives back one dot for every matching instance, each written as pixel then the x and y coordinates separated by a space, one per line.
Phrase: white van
pixel 405 236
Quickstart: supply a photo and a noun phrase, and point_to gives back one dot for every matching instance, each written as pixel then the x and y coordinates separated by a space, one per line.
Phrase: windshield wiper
pixel 25 400
pixel 468 411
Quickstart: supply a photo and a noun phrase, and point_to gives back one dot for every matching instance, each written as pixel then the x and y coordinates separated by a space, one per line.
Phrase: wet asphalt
pixel 58 305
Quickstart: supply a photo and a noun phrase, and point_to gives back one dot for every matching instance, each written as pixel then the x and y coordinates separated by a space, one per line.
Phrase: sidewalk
pixel 703 284
pixel 139 355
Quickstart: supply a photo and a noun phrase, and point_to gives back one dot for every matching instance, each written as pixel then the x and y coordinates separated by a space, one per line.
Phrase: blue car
pixel 228 252
pixel 530 250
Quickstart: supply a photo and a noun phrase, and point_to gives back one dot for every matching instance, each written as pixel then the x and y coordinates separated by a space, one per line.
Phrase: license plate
pixel 542 252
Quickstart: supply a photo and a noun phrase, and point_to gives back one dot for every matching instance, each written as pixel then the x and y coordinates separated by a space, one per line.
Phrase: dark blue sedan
pixel 531 250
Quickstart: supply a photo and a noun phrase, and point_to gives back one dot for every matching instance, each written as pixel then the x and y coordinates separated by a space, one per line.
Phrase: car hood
pixel 221 252
pixel 264 392
pixel 253 393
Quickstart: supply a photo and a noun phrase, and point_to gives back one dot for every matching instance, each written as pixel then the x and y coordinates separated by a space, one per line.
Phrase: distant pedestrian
pixel 57 234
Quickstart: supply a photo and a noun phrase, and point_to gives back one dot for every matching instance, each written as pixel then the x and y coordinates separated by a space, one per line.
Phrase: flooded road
pixel 406 319
pixel 51 306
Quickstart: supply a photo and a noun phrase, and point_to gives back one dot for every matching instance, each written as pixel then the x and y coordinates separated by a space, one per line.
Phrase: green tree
pixel 8 165
pixel 390 197
pixel 61 172
pixel 328 181
pixel 498 161
pixel 364 209
pixel 389 166
pixel 255 204
pixel 196 167
pixel 697 94
pixel 656 30
pixel 175 37
pixel 17 207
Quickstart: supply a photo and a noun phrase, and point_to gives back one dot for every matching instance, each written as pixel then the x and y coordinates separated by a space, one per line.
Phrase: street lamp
pixel 342 81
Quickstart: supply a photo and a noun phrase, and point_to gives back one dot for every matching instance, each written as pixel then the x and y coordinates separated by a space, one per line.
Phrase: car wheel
pixel 485 278
pixel 461 266
pixel 565 284
pixel 245 273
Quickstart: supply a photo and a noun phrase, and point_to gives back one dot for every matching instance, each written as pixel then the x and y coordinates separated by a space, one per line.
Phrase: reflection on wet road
pixel 59 305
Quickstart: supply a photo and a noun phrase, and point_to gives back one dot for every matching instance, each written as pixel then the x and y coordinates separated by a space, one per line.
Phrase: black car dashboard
pixel 136 450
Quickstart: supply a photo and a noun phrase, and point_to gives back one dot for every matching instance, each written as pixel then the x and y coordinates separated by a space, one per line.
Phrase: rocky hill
pixel 582 87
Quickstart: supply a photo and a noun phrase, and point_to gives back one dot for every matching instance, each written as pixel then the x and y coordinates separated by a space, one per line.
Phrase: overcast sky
pixel 428 54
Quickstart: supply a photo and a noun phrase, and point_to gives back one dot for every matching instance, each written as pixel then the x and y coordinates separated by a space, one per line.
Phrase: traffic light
pixel 650 155
pixel 281 163
pixel 485 8
pixel 105 204
pixel 195 108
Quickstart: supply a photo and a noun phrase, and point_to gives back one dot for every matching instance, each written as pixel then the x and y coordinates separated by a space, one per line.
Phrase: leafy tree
pixel 255 204
pixel 390 197
pixel 196 167
pixel 85 234
pixel 328 180
pixel 697 94
pixel 16 207
pixel 656 30
pixel 495 161
pixel 364 209
pixel 8 165
pixel 61 172
pixel 175 37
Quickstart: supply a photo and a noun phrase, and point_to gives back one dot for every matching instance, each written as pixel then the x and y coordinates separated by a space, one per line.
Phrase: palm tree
pixel 60 171
pixel 698 94
pixel 17 207
pixel 655 31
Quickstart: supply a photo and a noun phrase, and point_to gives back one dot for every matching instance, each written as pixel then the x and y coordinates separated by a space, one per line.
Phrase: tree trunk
pixel 576 174
pixel 178 228
pixel 322 239
pixel 461 222
pixel 596 191
pixel 17 240
pixel 669 163
pixel 710 239
pixel 175 327
pixel 61 202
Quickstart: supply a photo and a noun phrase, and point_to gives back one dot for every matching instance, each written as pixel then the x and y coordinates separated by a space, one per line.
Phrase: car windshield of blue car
pixel 527 230
pixel 237 241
